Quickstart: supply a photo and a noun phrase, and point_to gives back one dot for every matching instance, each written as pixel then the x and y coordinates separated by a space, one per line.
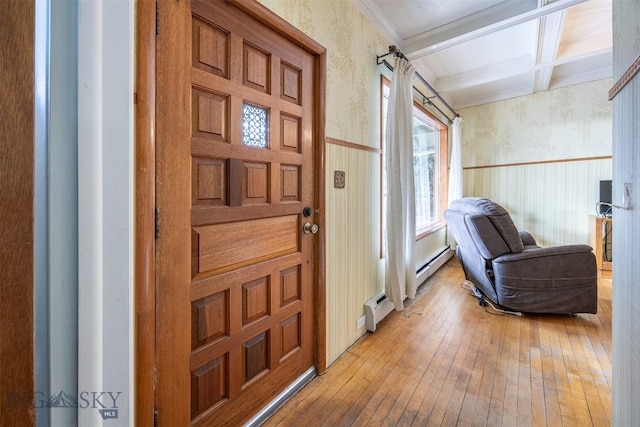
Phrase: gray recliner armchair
pixel 511 270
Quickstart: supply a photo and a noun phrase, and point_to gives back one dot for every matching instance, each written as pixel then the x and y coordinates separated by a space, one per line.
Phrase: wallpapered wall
pixel 626 228
pixel 515 152
pixel 352 44
pixel 566 123
pixel 354 270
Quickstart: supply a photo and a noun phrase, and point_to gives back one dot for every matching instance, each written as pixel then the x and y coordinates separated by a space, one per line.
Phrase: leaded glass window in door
pixel 255 126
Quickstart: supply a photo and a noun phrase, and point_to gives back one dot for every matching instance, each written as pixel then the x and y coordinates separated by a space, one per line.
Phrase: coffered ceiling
pixel 479 51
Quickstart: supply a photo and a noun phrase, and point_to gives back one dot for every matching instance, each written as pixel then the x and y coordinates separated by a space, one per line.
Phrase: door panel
pixel 242 99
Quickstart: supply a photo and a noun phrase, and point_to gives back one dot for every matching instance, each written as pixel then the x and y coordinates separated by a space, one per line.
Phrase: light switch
pixel 338 179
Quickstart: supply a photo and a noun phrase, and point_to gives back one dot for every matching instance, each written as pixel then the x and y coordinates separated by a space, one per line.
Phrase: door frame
pixel 145 181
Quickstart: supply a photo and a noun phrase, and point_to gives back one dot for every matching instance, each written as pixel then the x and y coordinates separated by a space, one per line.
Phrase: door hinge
pixel 157 222
pixel 157 18
pixel 155 418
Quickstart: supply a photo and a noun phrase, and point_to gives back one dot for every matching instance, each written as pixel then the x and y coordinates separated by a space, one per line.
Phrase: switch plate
pixel 339 179
pixel 626 195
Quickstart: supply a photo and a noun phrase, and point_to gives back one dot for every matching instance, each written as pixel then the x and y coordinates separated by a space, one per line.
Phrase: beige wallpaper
pixel 567 123
pixel 352 44
pixel 528 140
pixel 354 270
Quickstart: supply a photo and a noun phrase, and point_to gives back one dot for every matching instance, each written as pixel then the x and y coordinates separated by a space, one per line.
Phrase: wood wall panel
pixel 256 297
pixel 209 385
pixel 210 48
pixel 223 246
pixel 290 183
pixel 290 133
pixel 256 68
pixel 210 319
pixel 207 286
pixel 290 333
pixel 210 115
pixel 209 186
pixel 256 183
pixel 290 83
pixel 256 356
pixel 290 286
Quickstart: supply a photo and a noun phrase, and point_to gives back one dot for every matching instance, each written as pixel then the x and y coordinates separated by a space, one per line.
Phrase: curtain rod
pixel 393 50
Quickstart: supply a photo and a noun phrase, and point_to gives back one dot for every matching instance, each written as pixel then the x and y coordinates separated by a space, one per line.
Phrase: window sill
pixel 429 230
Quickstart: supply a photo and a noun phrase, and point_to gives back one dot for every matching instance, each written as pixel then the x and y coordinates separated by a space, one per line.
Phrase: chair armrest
pixel 527 239
pixel 543 252
pixel 556 263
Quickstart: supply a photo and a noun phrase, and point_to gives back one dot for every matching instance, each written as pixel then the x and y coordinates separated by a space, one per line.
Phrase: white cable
pixel 469 286
pixel 515 313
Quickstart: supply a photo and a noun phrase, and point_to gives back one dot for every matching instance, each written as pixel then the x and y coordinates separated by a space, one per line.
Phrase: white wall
pixel 63 208
pixel 105 202
pixel 89 307
pixel 515 152
pixel 626 223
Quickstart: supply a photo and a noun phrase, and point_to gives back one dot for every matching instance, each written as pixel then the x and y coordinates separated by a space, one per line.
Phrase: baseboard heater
pixel 433 265
pixel 376 308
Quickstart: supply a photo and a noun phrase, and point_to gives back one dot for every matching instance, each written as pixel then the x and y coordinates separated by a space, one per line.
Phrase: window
pixel 430 163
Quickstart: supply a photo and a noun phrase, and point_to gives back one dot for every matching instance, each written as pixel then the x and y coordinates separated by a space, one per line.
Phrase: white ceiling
pixel 473 52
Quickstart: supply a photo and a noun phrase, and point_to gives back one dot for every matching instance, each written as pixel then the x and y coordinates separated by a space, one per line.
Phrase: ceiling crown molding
pixel 377 18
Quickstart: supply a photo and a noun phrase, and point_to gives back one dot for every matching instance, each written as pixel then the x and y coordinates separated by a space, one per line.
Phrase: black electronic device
pixel 604 207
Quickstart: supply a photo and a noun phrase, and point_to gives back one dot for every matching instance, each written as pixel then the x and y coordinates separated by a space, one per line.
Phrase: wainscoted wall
pixel 542 157
pixel 354 269
pixel 626 228
pixel 549 200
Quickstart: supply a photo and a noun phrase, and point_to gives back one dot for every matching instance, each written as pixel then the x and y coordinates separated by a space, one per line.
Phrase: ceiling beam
pixel 507 69
pixel 505 15
pixel 484 75
pixel 549 32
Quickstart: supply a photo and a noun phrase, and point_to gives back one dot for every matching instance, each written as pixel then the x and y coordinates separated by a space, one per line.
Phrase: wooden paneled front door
pixel 235 186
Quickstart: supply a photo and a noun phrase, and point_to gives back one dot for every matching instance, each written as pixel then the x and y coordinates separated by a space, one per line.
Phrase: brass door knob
pixel 310 228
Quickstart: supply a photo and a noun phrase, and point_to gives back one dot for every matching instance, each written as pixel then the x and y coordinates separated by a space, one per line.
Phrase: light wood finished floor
pixel 447 362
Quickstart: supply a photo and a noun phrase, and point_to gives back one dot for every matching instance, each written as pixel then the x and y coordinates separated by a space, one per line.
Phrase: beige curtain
pixel 455 171
pixel 400 278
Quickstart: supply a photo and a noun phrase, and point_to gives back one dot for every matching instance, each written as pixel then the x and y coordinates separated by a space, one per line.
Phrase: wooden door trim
pixel 266 16
pixel 145 316
pixel 17 166
pixel 145 309
pixel 320 260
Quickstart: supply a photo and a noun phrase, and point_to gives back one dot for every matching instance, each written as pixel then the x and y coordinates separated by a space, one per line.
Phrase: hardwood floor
pixel 446 361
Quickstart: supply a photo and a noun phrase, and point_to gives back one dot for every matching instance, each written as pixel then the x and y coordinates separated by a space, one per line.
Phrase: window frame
pixel 443 172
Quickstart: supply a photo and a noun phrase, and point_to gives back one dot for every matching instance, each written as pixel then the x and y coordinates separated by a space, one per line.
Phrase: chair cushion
pixel 485 236
pixel 498 216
